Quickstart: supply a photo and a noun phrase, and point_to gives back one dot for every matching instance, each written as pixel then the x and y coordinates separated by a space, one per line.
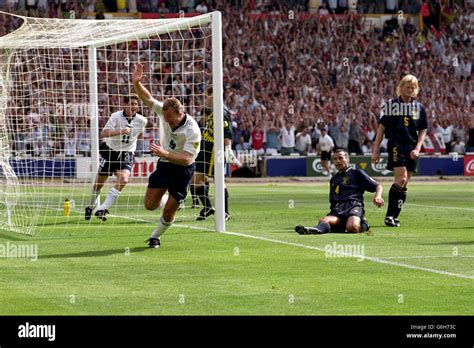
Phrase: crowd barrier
pixel 44 168
pixel 427 166
pixel 81 168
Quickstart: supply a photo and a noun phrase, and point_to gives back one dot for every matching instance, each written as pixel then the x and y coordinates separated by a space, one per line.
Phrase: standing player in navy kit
pixel 347 199
pixel 403 121
pixel 177 151
pixel 117 154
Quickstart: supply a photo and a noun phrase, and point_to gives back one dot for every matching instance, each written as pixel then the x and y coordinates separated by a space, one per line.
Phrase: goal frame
pixel 181 23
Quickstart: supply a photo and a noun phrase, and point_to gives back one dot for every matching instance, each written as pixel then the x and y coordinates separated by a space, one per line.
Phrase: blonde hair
pixel 406 80
pixel 173 103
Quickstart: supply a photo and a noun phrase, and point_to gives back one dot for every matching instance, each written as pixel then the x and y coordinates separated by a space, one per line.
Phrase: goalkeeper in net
pixel 205 159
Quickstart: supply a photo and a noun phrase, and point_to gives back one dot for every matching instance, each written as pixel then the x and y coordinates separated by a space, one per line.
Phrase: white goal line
pixel 429 257
pixel 368 258
pixel 385 260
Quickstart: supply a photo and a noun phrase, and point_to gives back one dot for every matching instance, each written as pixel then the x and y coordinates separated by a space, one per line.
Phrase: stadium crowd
pixel 301 74
pixel 288 73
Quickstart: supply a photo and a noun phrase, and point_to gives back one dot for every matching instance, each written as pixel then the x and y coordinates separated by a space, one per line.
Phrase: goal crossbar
pixel 57 61
pixel 60 33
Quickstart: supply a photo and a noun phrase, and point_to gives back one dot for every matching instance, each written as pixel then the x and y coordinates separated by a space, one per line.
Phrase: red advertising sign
pixel 144 166
pixel 469 165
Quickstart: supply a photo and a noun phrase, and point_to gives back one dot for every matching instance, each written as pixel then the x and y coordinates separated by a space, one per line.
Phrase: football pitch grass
pixel 259 266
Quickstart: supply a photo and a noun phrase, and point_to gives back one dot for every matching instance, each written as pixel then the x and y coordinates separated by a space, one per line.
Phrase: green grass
pixel 261 267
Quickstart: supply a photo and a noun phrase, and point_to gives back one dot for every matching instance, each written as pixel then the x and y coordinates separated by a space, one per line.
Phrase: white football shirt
pixel 287 137
pixel 325 143
pixel 184 138
pixel 125 142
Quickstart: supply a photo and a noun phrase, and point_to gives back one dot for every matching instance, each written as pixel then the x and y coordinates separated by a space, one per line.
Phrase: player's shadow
pixel 98 223
pixel 8 236
pixel 71 222
pixel 338 231
pixel 118 222
pixel 95 253
pixel 457 228
pixel 464 242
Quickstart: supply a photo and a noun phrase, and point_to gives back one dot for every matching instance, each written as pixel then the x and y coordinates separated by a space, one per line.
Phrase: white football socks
pixel 161 227
pixel 110 199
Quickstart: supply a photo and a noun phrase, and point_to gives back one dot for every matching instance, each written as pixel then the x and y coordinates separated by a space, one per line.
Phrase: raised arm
pixel 141 91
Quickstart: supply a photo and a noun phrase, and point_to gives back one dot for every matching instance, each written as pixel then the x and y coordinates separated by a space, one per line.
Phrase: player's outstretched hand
pixel 137 73
pixel 378 201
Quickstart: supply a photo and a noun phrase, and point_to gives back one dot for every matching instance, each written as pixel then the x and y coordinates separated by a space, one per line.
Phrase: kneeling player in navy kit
pixel 347 199
pixel 177 151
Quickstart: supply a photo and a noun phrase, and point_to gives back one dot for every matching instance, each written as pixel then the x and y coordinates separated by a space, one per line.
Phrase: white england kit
pixel 326 143
pixel 186 137
pixel 125 142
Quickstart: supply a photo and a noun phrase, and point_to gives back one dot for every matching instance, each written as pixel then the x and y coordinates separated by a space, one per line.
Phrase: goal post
pixel 94 111
pixel 218 100
pixel 62 80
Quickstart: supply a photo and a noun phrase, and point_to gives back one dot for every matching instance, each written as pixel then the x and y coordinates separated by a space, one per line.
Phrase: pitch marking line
pixel 439 206
pixel 429 257
pixel 373 259
pixel 368 258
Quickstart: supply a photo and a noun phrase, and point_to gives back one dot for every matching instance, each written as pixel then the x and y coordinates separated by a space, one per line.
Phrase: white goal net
pixel 61 80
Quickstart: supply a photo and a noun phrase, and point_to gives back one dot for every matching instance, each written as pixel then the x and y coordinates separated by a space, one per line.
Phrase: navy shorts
pixel 174 177
pixel 399 156
pixel 111 161
pixel 325 156
pixel 344 210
